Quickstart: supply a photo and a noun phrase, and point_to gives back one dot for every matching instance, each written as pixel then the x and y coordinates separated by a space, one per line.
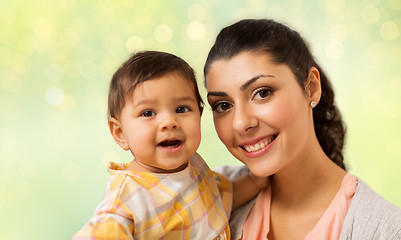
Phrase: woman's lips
pixel 259 147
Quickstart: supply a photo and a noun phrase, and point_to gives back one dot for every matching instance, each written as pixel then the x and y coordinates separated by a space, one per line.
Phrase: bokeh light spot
pixel 54 96
pixel 334 50
pixel 71 172
pixel 389 30
pixel 163 33
pixel 196 13
pixel 135 44
pixel 370 14
pixel 196 30
pixel 54 72
pixel 42 27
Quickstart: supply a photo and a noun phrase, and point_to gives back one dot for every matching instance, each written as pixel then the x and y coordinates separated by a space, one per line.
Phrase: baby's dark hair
pixel 287 47
pixel 141 67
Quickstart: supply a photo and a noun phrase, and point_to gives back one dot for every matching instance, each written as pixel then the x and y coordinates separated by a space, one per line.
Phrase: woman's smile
pixel 258 147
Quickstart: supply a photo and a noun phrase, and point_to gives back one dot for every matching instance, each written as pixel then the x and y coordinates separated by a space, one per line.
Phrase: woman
pixel 273 108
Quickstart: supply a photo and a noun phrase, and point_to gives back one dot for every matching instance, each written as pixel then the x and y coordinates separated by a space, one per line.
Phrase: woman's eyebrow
pixel 252 80
pixel 243 86
pixel 217 94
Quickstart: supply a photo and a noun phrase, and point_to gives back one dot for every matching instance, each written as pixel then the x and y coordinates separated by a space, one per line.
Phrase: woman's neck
pixel 312 179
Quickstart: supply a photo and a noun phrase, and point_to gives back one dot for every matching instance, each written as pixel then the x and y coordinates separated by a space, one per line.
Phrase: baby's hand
pixel 260 182
pixel 247 187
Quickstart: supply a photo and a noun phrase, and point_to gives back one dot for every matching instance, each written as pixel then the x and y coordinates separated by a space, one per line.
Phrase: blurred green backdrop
pixel 57 57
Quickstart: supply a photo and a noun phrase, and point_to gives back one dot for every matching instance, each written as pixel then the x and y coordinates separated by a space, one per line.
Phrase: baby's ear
pixel 117 133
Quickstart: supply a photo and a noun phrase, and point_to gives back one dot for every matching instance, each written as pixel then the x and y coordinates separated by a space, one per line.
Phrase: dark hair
pixel 143 66
pixel 287 47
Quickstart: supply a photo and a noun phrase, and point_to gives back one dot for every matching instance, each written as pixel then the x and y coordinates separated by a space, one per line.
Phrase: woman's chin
pixel 261 168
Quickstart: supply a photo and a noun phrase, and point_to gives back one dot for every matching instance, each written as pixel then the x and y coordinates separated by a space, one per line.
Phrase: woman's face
pixel 260 112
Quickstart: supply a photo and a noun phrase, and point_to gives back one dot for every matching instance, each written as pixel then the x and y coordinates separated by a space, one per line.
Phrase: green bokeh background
pixel 57 57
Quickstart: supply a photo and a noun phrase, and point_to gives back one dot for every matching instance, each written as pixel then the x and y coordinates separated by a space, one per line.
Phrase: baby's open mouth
pixel 170 143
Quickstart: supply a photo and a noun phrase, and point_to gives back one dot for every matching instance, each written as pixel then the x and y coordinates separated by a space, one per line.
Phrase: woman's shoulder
pixel 370 216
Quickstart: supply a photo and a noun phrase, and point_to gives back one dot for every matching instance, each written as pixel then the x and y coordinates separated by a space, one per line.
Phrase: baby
pixel 167 191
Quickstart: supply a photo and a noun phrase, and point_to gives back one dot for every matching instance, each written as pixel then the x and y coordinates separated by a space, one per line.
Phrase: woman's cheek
pixel 222 128
pixel 276 113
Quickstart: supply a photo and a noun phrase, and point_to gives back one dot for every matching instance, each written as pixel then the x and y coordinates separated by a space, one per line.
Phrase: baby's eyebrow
pixel 187 98
pixel 252 80
pixel 144 102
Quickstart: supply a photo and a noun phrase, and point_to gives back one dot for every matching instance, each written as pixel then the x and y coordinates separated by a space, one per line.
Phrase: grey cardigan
pixel 369 217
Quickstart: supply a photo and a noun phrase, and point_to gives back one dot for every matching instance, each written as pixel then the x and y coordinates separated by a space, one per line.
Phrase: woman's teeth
pixel 258 146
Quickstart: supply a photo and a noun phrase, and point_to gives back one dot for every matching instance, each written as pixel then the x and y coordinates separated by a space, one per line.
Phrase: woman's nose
pixel 244 119
pixel 168 122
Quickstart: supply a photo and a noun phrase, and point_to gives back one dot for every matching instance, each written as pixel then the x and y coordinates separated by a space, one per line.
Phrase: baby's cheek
pixel 196 136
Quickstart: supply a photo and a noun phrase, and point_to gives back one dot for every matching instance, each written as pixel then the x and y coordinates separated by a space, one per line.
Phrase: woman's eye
pixel 148 113
pixel 182 109
pixel 263 93
pixel 222 107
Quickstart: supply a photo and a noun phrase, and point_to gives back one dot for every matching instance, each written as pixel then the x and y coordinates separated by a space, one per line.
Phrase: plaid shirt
pixel 191 204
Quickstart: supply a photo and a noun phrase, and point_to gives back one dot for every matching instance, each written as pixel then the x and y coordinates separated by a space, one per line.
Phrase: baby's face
pixel 161 123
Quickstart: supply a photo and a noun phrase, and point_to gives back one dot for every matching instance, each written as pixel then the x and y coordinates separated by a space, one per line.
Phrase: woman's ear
pixel 117 133
pixel 313 87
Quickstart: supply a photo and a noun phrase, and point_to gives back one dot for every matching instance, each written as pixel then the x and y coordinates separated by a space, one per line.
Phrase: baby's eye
pixel 148 113
pixel 222 107
pixel 262 93
pixel 182 109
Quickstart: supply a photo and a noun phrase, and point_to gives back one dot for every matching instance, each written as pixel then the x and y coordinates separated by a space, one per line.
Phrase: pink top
pixel 257 224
